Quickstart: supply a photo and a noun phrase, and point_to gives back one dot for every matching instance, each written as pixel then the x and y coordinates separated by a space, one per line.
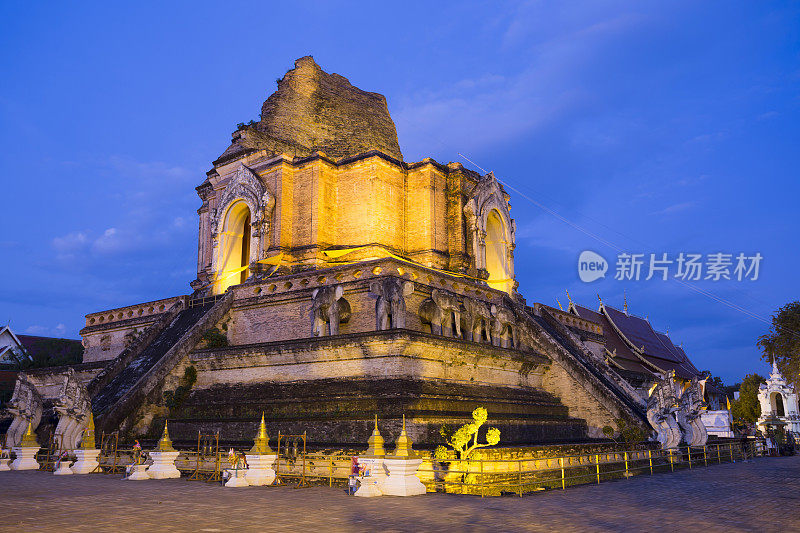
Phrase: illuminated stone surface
pixel 25 458
pixel 138 473
pixel 163 466
pixel 260 470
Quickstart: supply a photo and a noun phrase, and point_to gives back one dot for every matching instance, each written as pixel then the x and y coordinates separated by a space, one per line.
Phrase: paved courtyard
pixel 758 495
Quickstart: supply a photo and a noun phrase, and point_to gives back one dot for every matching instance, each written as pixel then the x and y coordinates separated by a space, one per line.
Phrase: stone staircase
pixel 124 385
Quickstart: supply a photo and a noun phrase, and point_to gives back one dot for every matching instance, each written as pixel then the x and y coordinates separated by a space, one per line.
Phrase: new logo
pixel 591 266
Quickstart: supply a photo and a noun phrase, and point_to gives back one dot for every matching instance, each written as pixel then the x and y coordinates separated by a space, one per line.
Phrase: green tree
pixel 783 342
pixel 746 409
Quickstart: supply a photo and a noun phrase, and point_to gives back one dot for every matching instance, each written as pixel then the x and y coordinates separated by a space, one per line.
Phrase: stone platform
pixel 339 412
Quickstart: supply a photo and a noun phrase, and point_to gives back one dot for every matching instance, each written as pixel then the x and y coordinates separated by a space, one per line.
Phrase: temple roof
pixel 638 347
pixel 313 110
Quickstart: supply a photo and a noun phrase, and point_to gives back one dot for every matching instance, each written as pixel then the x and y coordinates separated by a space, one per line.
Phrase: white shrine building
pixel 778 402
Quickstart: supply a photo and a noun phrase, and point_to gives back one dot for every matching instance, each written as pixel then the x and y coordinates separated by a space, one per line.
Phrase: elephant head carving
pixel 328 308
pixel 390 307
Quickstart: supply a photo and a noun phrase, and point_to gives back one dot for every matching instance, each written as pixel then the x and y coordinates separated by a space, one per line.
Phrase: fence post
pixel 705 455
pixel 626 465
pixel 689 451
pixel 671 464
pixel 519 469
pixel 650 458
pixel 330 479
pixel 563 480
pixel 719 455
pixel 483 484
pixel 730 448
pixel 597 463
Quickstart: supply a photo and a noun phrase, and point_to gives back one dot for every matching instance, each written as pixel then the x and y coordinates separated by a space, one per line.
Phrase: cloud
pixel 676 208
pixel 479 112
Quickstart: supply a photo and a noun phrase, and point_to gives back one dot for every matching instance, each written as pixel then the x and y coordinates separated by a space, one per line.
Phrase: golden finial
pixel 165 445
pixel 375 443
pixel 403 448
pixel 559 304
pixel 29 439
pixel 261 444
pixel 87 442
pixel 625 301
pixel 568 296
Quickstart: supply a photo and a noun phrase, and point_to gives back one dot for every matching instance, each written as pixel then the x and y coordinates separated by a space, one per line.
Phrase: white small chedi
pixel 163 457
pixel 26 452
pixel 260 459
pixel 778 403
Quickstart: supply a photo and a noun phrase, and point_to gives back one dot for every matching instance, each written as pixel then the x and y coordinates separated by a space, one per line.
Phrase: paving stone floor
pixel 758 495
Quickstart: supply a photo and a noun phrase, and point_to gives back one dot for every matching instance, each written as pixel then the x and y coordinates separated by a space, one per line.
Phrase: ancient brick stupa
pixel 336 280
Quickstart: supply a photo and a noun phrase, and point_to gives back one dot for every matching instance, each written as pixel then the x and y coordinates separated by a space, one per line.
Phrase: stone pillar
pixel 87 461
pixel 87 454
pixel 63 468
pixel 260 459
pixel 26 452
pixel 402 467
pixel 237 477
pixel 138 473
pixel 163 457
pixel 373 459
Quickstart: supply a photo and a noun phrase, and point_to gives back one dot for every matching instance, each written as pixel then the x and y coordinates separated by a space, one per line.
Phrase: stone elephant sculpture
pixel 329 308
pixel 443 312
pixel 390 307
pixel 504 327
pixel 476 321
pixel 26 408
pixel 73 407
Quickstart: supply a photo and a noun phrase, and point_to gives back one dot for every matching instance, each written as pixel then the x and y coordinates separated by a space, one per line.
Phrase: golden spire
pixel 261 444
pixel 569 297
pixel 559 304
pixel 625 300
pixel 165 445
pixel 87 442
pixel 29 439
pixel 403 448
pixel 375 443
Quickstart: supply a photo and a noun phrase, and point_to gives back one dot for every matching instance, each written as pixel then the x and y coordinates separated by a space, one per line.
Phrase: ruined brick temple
pixel 336 281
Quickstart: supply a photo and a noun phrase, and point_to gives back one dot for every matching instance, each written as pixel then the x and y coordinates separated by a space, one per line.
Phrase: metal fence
pixel 497 477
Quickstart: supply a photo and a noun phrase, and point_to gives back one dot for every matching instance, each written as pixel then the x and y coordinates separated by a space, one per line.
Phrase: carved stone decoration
pixel 443 312
pixel 689 415
pixel 476 321
pixel 26 408
pixel 390 307
pixel 74 407
pixel 504 327
pixel 662 403
pixel 245 185
pixel 328 310
pixel 488 196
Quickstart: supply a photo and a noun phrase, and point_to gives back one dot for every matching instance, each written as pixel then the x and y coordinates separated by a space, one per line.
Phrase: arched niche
pixel 777 404
pixel 234 249
pixel 490 233
pixel 497 254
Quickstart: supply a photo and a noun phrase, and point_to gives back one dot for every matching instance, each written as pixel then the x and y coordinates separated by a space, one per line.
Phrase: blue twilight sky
pixel 658 127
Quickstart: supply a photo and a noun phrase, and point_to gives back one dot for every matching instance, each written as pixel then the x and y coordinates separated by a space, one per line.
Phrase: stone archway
pixel 777 404
pixel 234 247
pixel 497 253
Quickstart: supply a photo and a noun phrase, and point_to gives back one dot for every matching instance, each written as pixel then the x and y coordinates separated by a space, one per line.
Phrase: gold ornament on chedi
pixel 261 444
pixel 87 442
pixel 165 444
pixel 375 443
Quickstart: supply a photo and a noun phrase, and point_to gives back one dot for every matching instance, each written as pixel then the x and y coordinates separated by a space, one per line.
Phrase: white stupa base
pixel 4 465
pixel 260 470
pixel 138 473
pixel 63 468
pixel 402 479
pixel 87 461
pixel 237 478
pixel 163 466
pixel 369 488
pixel 26 458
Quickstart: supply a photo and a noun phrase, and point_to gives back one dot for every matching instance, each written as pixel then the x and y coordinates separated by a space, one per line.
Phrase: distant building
pixel 778 404
pixel 12 350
